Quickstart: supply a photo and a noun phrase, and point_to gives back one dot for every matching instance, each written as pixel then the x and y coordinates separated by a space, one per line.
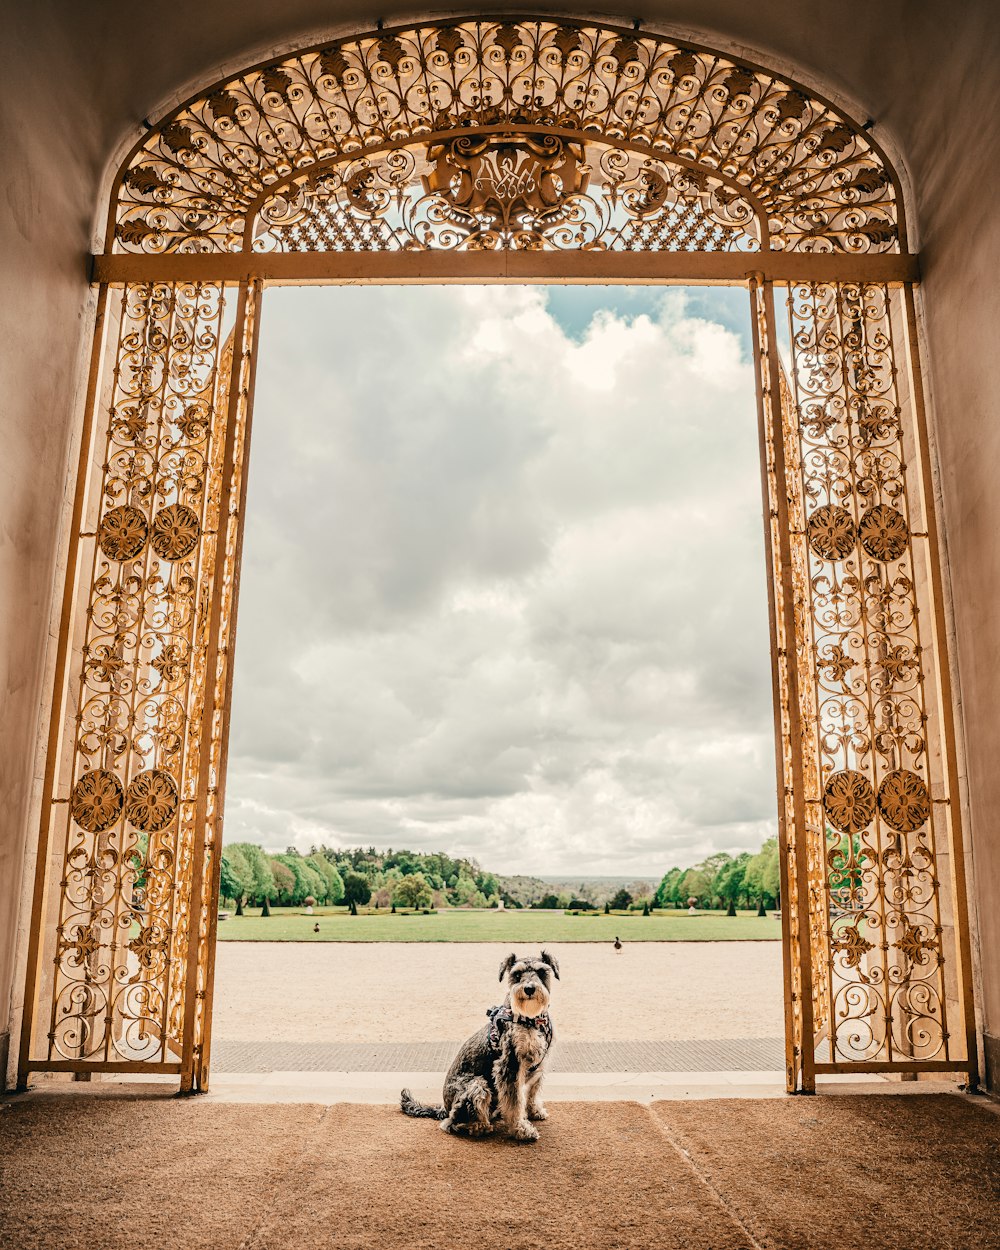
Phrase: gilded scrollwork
pixel 758 155
pixel 878 894
pixel 121 900
pixel 524 135
pixel 526 191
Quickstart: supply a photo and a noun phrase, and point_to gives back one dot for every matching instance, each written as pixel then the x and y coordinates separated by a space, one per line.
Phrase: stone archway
pixel 521 149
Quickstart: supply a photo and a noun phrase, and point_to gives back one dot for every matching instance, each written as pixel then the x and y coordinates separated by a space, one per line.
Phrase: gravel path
pixel 415 992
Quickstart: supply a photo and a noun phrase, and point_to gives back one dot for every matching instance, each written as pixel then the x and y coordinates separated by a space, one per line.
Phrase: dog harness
pixel 502 1016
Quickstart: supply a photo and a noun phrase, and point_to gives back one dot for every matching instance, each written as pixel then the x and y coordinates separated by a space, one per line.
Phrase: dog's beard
pixel 525 1006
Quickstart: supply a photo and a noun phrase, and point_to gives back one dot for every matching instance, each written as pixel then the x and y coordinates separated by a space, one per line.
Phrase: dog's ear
pixel 552 962
pixel 506 966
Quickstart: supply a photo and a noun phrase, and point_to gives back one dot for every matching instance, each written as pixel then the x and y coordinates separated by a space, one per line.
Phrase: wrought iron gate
pixel 503 150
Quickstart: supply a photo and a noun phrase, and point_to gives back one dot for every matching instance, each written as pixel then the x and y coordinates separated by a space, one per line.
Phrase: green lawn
pixel 291 924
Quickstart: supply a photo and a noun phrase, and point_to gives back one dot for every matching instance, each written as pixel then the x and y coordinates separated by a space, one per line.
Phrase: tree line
pixel 414 879
pixel 354 877
pixel 727 881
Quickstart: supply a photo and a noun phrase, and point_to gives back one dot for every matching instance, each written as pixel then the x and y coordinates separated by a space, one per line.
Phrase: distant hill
pixel 595 890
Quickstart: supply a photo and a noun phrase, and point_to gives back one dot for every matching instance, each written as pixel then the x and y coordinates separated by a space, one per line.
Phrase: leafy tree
pixel 284 881
pixel 763 874
pixel 235 878
pixel 261 880
pixel 465 892
pixel 356 890
pixel 487 884
pixel 729 882
pixel 307 879
pixel 667 891
pixel 413 891
pixel 697 884
pixel 332 879
pixel 621 900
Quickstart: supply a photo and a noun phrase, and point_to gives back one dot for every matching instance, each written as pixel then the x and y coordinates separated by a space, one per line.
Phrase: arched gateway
pixel 503 150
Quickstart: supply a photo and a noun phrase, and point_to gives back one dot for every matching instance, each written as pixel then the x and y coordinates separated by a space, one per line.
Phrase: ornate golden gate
pixel 504 150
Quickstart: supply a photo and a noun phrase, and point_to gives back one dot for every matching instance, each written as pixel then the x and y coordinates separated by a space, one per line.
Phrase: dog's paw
pixel 524 1132
pixel 537 1113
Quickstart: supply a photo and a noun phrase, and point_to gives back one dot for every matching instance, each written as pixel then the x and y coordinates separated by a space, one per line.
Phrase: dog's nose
pixel 529 991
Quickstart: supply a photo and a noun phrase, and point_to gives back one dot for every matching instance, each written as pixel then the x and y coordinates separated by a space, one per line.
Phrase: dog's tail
pixel 409 1106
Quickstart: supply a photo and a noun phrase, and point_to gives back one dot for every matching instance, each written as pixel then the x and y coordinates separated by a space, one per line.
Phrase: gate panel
pixel 877 839
pixel 517 149
pixel 126 807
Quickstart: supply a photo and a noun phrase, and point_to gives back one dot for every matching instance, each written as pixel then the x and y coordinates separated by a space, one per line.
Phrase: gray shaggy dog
pixel 497 1075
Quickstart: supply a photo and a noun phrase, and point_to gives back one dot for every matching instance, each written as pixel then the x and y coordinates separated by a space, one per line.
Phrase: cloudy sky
pixel 503 588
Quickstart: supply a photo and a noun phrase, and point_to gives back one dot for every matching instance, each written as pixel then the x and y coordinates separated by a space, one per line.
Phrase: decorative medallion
pixel 122 533
pixel 884 533
pixel 96 802
pixel 152 800
pixel 831 532
pixel 849 801
pixel 903 801
pixel 175 532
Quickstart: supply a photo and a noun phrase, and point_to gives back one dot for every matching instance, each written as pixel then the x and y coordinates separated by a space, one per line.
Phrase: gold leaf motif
pixel 915 946
pixel 903 801
pixel 175 532
pixel 831 532
pixel 897 662
pixel 849 801
pixel 97 800
pixel 83 942
pixel 122 533
pixel 884 533
pixel 835 662
pixel 171 663
pixel 152 800
pixel 148 946
pixel 849 943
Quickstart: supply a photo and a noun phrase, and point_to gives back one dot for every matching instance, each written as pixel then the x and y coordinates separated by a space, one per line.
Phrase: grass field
pixel 291 924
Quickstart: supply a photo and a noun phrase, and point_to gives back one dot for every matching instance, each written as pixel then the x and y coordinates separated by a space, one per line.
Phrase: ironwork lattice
pixel 494 138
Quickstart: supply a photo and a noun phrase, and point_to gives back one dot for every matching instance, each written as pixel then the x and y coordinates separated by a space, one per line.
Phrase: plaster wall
pixel 78 79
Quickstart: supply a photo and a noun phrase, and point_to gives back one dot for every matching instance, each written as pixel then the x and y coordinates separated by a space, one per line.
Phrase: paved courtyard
pixel 387 1006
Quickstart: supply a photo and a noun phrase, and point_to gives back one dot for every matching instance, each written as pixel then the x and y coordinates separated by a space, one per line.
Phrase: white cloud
pixel 503 590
